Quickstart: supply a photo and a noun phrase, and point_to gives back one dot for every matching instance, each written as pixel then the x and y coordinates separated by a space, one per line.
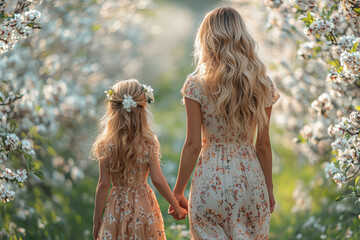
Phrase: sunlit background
pixel 84 46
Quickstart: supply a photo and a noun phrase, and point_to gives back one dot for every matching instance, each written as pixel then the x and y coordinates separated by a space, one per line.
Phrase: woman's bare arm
pixel 102 189
pixel 192 146
pixel 264 154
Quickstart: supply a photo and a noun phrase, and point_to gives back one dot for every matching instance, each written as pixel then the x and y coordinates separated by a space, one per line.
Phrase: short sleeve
pixel 274 95
pixel 155 153
pixel 104 159
pixel 192 89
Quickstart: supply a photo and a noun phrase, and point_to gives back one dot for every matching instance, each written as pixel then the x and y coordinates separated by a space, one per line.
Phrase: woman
pixel 227 98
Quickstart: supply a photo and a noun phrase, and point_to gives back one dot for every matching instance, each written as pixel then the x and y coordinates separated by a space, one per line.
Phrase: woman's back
pixel 214 130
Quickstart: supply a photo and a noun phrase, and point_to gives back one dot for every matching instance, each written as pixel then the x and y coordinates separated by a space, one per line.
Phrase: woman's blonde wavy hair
pixel 226 58
pixel 121 133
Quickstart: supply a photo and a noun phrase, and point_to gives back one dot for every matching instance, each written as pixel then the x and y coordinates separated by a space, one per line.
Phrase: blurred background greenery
pixel 167 60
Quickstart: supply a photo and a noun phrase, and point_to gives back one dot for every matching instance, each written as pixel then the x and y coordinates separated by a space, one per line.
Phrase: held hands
pixel 180 211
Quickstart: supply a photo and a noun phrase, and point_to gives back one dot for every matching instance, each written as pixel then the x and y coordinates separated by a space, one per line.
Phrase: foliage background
pixel 160 55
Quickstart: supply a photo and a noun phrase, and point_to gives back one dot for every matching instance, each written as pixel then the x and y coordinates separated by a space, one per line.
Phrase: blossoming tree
pixel 15 23
pixel 327 33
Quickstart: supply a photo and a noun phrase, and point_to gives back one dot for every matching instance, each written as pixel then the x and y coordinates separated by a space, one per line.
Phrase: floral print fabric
pixel 228 195
pixel 131 210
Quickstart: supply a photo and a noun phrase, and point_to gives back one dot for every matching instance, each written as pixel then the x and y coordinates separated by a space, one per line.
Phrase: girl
pixel 227 97
pixel 128 150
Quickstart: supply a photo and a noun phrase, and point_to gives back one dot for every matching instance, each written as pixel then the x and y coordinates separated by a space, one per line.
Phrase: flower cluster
pixel 128 103
pixel 149 93
pixel 19 176
pixel 108 94
pixel 17 26
pixel 3 5
pixel 347 147
pixel 322 105
pixel 12 141
pixel 6 194
pixel 347 7
pixel 319 27
pixel 350 61
pixel 346 43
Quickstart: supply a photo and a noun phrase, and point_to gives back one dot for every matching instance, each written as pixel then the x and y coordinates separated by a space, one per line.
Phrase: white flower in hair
pixel 128 103
pixel 149 93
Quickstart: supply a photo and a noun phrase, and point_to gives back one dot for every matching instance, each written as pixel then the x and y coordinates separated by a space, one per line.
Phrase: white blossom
pixel 9 174
pixel 322 105
pixel 351 62
pixel 27 147
pixel 21 176
pixel 319 27
pixel 6 194
pixel 128 103
pixel 32 15
pixel 12 141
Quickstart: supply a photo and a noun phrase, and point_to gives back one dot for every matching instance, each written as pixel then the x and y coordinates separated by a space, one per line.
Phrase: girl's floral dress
pixel 228 196
pixel 131 210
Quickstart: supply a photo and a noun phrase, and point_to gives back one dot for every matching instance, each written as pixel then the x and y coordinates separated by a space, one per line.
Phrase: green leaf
pixel 29 163
pixel 347 169
pixel 13 125
pixel 301 138
pixel 356 180
pixel 354 48
pixel 332 9
pixel 51 151
pixel 39 175
pixel 357 10
pixel 341 197
pixel 335 63
pixel 298 8
pixel 95 27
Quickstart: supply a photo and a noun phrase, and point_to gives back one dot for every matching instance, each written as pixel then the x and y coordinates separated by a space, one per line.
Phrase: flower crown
pixel 128 101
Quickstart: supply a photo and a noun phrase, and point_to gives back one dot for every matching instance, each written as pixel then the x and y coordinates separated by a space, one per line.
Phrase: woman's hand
pixel 183 202
pixel 271 200
pixel 96 230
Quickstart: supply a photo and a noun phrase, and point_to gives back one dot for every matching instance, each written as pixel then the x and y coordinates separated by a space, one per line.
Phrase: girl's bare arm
pixel 162 186
pixel 102 189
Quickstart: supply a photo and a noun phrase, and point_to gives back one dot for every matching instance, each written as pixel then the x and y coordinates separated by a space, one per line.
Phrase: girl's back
pixel 146 152
pixel 132 211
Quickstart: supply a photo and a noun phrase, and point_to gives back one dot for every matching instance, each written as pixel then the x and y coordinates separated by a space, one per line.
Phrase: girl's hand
pixel 180 213
pixel 96 230
pixel 183 202
pixel 271 200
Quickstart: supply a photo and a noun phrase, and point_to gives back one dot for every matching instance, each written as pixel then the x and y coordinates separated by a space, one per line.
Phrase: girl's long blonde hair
pixel 226 58
pixel 121 133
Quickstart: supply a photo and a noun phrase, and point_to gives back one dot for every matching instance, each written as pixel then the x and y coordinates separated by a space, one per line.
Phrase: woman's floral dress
pixel 131 210
pixel 228 196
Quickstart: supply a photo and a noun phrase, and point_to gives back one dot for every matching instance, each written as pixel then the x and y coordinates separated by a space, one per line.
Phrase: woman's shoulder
pixel 193 88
